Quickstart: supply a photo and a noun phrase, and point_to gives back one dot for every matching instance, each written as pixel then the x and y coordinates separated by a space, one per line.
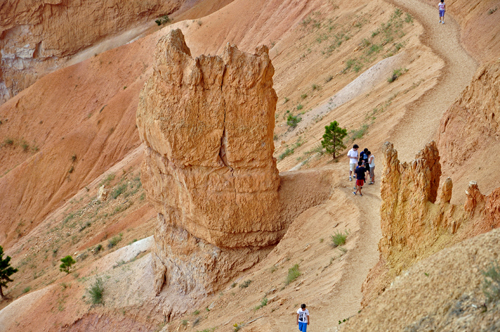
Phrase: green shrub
pixel 339 239
pixel 9 141
pixel 163 20
pixel 96 292
pixel 491 283
pixel 114 241
pixel 263 303
pixel 245 284
pixel 197 312
pixel 25 146
pixel 303 96
pixel 293 121
pixel 119 190
pixel 26 290
pixel 299 107
pixel 293 273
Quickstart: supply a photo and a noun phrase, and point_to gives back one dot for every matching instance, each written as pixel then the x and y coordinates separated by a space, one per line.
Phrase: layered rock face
pixel 38 36
pixel 208 125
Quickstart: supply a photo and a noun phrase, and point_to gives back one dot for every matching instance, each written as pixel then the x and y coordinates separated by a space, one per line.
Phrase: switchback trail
pixel 421 121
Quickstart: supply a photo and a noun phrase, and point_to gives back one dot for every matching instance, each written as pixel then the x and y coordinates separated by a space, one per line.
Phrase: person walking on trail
pixel 442 9
pixel 360 178
pixel 303 318
pixel 353 159
pixel 371 164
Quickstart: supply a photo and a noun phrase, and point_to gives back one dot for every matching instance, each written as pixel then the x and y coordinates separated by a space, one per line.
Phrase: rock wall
pixel 38 36
pixel 209 170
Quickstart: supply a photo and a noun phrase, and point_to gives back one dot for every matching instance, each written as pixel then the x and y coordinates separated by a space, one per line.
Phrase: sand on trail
pixel 421 120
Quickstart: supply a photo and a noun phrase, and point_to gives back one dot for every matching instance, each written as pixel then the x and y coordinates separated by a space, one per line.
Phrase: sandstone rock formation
pixel 414 223
pixel 209 171
pixel 208 125
pixel 36 36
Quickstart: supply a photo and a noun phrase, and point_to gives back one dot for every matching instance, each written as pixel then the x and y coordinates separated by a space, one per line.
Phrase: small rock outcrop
pixel 209 170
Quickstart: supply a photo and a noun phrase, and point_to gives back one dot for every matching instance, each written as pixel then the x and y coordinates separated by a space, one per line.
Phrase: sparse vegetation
pixel 163 20
pixel 291 149
pixel 196 312
pixel 67 262
pixel 286 100
pixel 293 121
pixel 237 327
pixel 8 141
pixel 396 73
pixel 491 283
pixel 339 238
pixel 119 190
pixel 303 96
pixel 333 139
pixel 114 241
pixel 293 273
pixel 25 146
pixel 492 10
pixel 96 292
pixel 299 107
pixel 359 133
pixel 26 290
pixel 5 271
pixel 245 283
pixel 262 304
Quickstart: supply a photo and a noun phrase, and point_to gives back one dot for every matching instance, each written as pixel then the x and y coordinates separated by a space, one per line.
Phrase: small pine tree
pixel 5 271
pixel 66 264
pixel 333 139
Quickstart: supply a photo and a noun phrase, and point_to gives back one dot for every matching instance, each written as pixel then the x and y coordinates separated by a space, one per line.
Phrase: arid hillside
pixel 74 181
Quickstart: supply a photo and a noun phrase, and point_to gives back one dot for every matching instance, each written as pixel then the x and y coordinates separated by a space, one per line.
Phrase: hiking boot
pixel 371 183
pixel 350 178
pixel 354 192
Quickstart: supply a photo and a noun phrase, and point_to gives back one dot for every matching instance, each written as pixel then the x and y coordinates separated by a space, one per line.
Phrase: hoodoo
pixel 209 170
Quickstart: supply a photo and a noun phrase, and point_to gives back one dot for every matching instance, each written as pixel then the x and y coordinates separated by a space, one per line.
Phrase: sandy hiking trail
pixel 347 294
pixel 417 127
pixel 421 120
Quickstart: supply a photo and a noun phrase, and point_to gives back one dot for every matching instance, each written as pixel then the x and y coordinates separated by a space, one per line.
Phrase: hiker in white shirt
pixel 371 163
pixel 303 319
pixel 442 10
pixel 353 159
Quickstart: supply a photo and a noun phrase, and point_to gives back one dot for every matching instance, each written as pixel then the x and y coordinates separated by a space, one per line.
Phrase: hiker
pixel 442 9
pixel 363 156
pixel 360 178
pixel 353 159
pixel 371 164
pixel 303 318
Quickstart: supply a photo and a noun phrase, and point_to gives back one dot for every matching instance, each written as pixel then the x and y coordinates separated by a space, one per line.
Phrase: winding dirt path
pixel 421 120
pixel 418 126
